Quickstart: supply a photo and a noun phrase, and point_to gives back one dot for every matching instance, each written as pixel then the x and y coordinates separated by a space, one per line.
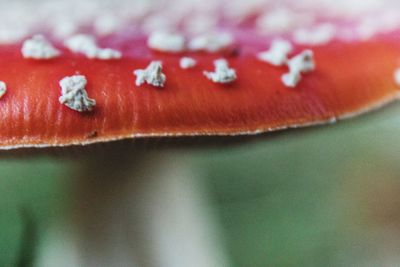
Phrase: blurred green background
pixel 325 196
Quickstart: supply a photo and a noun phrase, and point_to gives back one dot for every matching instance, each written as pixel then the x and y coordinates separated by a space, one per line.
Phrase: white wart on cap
pixel 291 79
pixel 38 47
pixel 223 73
pixel 167 42
pixel 397 76
pixel 302 63
pixel 152 75
pixel 74 95
pixel 278 53
pixel 318 35
pixel 187 63
pixel 86 44
pixel 3 88
pixel 211 42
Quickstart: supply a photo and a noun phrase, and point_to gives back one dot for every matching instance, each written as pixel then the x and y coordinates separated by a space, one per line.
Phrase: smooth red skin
pixel 350 78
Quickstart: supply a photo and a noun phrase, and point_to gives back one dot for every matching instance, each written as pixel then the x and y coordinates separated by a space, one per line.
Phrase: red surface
pixel 350 78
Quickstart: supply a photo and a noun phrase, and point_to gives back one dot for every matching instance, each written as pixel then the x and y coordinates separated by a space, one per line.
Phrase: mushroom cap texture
pixel 351 77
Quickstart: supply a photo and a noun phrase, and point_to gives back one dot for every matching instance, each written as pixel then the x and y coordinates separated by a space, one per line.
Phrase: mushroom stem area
pixel 147 210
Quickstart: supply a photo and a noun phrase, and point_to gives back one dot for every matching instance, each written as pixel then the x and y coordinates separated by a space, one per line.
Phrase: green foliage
pixel 32 193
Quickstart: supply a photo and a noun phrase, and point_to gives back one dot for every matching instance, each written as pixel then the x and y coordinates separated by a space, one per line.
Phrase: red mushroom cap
pixel 352 76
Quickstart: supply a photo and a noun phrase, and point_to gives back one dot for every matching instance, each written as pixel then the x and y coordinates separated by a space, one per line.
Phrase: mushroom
pixel 87 95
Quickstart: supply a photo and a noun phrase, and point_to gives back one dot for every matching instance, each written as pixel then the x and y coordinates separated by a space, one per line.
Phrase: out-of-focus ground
pixel 325 196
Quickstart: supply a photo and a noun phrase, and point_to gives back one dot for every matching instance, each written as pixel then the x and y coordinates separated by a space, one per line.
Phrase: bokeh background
pixel 325 196
pixel 316 197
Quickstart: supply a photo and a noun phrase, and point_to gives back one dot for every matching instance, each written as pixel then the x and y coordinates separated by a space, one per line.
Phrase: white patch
pixel 211 42
pixel 38 47
pixel 152 75
pixel 3 88
pixel 74 95
pixel 187 63
pixel 397 76
pixel 167 42
pixel 222 74
pixel 278 54
pixel 302 63
pixel 318 35
pixel 86 44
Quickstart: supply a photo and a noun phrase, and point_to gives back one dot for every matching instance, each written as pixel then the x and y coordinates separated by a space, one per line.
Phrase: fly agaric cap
pixel 147 69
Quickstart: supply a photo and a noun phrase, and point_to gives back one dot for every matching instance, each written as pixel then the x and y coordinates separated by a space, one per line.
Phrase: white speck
pixel 86 44
pixel 167 42
pixel 3 88
pixel 187 63
pixel 302 63
pixel 277 55
pixel 38 47
pixel 74 95
pixel 222 74
pixel 152 75
pixel 397 76
pixel 211 42
pixel 318 35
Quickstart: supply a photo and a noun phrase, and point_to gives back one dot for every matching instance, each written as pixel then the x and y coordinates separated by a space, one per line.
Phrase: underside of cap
pixel 351 77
